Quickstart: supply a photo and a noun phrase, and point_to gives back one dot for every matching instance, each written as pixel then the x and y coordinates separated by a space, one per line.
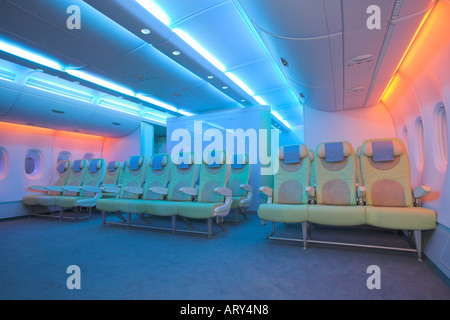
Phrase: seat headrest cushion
pixel 239 160
pixel 63 166
pixel 95 165
pixel 368 149
pixel 135 162
pixel 346 150
pixel 113 165
pixel 215 159
pixel 78 165
pixel 158 161
pixel 292 154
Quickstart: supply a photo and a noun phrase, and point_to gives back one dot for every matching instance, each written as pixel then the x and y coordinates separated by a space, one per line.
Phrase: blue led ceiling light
pixel 200 49
pixel 157 103
pixel 98 81
pixel 185 113
pixel 152 7
pixel 240 83
pixel 58 89
pixel 30 56
pixel 119 106
pixel 276 115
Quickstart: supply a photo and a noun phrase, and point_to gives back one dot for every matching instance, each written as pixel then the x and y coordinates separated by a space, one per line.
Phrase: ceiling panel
pixel 288 18
pixel 222 32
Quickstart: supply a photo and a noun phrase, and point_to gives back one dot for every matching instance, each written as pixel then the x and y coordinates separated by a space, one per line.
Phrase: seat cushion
pixel 31 200
pixel 47 201
pixel 66 201
pixel 108 205
pixel 337 215
pixel 405 218
pixel 287 213
pixel 197 210
pixel 161 208
pixel 135 206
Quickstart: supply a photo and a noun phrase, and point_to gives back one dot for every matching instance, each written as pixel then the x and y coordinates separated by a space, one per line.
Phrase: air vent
pixel 365 58
pixel 354 90
pixel 57 89
pixel 6 75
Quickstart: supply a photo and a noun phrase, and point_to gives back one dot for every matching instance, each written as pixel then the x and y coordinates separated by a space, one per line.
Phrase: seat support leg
pixel 418 241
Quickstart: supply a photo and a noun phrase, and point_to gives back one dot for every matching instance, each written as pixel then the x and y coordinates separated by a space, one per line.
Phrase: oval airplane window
pixel 420 150
pixel 64 156
pixel 3 162
pixel 33 162
pixel 88 156
pixel 443 134
pixel 405 138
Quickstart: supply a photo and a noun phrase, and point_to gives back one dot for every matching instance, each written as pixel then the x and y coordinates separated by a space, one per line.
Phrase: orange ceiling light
pixel 437 14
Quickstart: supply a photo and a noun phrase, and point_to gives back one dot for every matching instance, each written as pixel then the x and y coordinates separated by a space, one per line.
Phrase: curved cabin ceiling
pixel 208 55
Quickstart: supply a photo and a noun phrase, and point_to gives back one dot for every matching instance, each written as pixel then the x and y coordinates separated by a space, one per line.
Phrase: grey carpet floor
pixel 239 264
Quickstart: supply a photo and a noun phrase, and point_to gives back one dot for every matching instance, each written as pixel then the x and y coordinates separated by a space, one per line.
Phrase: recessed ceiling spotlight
pixel 145 31
pixel 243 100
pixel 224 87
pixel 176 53
pixel 210 77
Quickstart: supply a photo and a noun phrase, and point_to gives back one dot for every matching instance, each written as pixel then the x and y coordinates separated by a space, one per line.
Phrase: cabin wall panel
pixel 354 126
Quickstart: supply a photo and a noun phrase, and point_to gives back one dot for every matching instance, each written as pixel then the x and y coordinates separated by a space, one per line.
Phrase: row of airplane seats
pixel 371 187
pixel 160 187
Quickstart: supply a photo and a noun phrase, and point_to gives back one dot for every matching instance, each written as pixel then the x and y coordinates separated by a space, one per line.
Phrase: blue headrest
pixel 157 162
pixel 76 167
pixel 236 164
pixel 334 151
pixel 383 150
pixel 62 166
pixel 134 163
pixel 94 165
pixel 112 166
pixel 214 164
pixel 291 154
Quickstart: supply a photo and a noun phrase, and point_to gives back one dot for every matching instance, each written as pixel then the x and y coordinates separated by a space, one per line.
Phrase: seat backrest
pixel 133 175
pixel 112 173
pixel 239 174
pixel 157 175
pixel 121 172
pixel 293 175
pixel 76 175
pixel 214 173
pixel 312 157
pixel 335 170
pixel 358 167
pixel 385 172
pixel 94 176
pixel 184 173
pixel 61 174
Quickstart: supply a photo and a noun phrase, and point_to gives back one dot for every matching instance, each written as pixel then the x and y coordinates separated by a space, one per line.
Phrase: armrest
pixel 111 189
pixel 91 189
pixel 224 191
pixel 71 188
pixel 421 191
pixel 38 188
pixel 54 188
pixel 190 191
pixel 135 190
pixel 159 190
pixel 268 191
pixel 361 191
pixel 310 191
pixel 246 187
